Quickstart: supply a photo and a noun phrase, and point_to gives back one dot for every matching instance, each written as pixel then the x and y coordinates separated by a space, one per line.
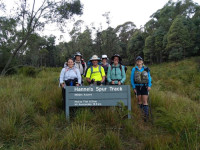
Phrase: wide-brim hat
pixel 78 54
pixel 116 55
pixel 95 57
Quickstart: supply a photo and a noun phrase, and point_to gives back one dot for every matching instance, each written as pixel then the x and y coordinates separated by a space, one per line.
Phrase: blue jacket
pixel 132 77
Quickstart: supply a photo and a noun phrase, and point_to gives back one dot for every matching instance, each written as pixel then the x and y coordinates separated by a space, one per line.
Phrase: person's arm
pixel 85 69
pixel 123 75
pixel 103 74
pixel 109 74
pixel 88 75
pixel 62 73
pixel 78 76
pixel 132 78
pixel 149 82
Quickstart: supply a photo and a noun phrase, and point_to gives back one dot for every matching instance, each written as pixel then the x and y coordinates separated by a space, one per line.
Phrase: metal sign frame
pixel 84 96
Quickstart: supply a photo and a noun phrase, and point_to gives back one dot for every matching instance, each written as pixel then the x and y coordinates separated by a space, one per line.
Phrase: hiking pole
pixel 149 103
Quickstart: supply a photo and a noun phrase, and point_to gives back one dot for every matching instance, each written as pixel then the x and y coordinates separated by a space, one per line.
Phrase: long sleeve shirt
pixel 115 73
pixel 80 67
pixel 70 73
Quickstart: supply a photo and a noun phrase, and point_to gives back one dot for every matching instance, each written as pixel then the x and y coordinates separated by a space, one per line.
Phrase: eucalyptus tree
pixel 32 18
pixel 85 43
pixel 136 46
pixel 159 46
pixel 74 33
pixel 178 39
pixel 35 49
pixel 125 32
pixel 149 49
pixel 196 21
pixel 7 37
pixel 110 42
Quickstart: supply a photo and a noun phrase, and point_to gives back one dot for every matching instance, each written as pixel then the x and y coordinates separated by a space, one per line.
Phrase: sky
pixel 121 11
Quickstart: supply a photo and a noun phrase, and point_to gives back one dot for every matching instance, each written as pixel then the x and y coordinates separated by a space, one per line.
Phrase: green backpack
pixel 141 77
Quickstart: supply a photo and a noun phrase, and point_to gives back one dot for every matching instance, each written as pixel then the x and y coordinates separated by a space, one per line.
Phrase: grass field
pixel 31 115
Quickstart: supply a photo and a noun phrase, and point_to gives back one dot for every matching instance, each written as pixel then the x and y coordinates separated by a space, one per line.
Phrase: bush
pixel 11 71
pixel 28 71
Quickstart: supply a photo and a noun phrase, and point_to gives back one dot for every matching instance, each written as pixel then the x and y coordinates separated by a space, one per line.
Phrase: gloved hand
pixel 92 81
pixel 99 83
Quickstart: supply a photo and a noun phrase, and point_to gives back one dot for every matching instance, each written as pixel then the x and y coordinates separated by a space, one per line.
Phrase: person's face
pixel 70 63
pixel 104 60
pixel 95 62
pixel 116 60
pixel 139 62
pixel 78 58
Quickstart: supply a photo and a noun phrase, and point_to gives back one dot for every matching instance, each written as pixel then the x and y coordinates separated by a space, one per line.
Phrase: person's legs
pixel 63 99
pixel 140 105
pixel 144 98
pixel 139 98
pixel 145 109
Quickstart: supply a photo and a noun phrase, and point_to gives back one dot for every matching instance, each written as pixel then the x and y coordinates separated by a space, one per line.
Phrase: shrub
pixel 28 71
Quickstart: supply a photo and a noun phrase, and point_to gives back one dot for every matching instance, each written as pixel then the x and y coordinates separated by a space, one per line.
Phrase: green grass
pixel 31 115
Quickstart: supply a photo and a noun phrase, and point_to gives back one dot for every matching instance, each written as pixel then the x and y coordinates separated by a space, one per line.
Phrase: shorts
pixel 142 90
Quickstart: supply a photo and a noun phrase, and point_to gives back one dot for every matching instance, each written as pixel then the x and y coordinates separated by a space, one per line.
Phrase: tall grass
pixel 182 78
pixel 31 115
pixel 81 137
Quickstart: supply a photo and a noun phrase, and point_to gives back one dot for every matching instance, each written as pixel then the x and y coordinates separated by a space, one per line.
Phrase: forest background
pixel 172 33
pixel 31 115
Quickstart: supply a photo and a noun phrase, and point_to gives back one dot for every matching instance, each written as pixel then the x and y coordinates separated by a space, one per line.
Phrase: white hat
pixel 95 57
pixel 104 56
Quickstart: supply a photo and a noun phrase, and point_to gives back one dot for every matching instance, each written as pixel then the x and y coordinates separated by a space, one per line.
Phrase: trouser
pixel 63 98
pixel 105 82
pixel 70 82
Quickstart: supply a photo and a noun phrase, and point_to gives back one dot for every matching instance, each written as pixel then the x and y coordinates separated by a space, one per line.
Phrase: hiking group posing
pixel 100 72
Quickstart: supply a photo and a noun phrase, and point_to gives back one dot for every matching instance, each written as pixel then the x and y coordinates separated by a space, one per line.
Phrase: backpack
pixel 83 64
pixel 89 65
pixel 105 67
pixel 141 77
pixel 95 72
pixel 120 66
pixel 67 69
pixel 125 67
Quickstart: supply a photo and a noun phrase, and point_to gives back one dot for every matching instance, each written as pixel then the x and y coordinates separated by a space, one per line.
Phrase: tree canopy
pixel 172 33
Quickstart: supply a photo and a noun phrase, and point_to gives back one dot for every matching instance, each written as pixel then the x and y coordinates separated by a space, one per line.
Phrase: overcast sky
pixel 121 11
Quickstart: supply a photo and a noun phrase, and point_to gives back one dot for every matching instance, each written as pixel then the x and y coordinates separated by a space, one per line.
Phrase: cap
pixel 139 58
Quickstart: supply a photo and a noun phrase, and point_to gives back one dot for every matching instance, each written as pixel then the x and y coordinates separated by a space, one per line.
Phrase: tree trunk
pixel 3 72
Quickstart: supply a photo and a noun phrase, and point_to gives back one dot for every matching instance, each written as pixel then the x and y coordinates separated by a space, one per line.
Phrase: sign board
pixel 110 95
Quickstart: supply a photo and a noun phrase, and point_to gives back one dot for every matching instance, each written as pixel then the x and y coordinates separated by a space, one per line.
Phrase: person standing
pixel 80 64
pixel 116 72
pixel 141 83
pixel 69 76
pixel 95 74
pixel 105 65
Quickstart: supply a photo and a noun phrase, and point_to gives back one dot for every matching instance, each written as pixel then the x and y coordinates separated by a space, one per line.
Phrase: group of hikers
pixel 99 72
